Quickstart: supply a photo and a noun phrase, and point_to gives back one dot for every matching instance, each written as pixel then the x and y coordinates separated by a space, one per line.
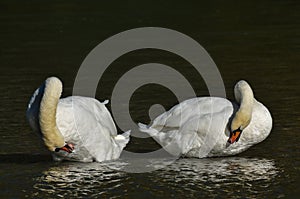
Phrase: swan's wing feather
pixel 189 109
pixel 191 124
pixel 84 119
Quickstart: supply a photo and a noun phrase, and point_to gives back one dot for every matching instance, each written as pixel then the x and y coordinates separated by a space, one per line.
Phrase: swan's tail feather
pixel 142 126
pixel 166 139
pixel 105 102
pixel 123 139
pixel 126 134
pixel 146 129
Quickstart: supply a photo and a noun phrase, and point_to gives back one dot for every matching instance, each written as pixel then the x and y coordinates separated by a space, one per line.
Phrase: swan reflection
pixel 81 179
pixel 209 176
pixel 222 169
pixel 233 177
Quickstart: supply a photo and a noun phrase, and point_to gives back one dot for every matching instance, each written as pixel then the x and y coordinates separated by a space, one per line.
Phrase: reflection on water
pixel 80 179
pixel 230 177
pixel 227 169
pixel 210 176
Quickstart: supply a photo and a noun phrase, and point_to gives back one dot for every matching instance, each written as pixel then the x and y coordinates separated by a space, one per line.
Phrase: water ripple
pixel 79 179
pixel 231 177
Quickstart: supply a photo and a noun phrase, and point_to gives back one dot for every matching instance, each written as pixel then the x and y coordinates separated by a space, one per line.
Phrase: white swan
pixel 74 128
pixel 212 126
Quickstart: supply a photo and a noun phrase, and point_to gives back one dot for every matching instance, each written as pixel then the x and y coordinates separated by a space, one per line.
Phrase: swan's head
pixel 244 96
pixel 68 148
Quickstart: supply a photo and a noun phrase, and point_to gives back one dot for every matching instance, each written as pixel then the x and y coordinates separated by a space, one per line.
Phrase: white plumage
pixel 200 127
pixel 81 121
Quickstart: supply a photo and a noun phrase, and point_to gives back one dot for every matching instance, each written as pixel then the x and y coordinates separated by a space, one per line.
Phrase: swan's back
pixel 192 108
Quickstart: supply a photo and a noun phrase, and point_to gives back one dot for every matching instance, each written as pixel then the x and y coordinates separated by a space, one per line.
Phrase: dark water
pixel 256 40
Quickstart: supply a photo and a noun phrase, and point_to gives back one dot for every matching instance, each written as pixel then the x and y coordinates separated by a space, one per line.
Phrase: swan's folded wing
pixel 189 109
pixel 87 123
pixel 88 114
pixel 104 117
pixel 196 136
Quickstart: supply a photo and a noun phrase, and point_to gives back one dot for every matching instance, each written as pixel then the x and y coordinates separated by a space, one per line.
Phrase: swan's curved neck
pixel 245 98
pixel 246 101
pixel 47 116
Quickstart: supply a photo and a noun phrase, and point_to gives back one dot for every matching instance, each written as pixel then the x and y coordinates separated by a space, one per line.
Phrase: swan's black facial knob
pixel 68 148
pixel 234 136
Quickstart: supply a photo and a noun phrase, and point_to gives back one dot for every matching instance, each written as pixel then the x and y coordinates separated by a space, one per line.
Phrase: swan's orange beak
pixel 234 136
pixel 68 148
